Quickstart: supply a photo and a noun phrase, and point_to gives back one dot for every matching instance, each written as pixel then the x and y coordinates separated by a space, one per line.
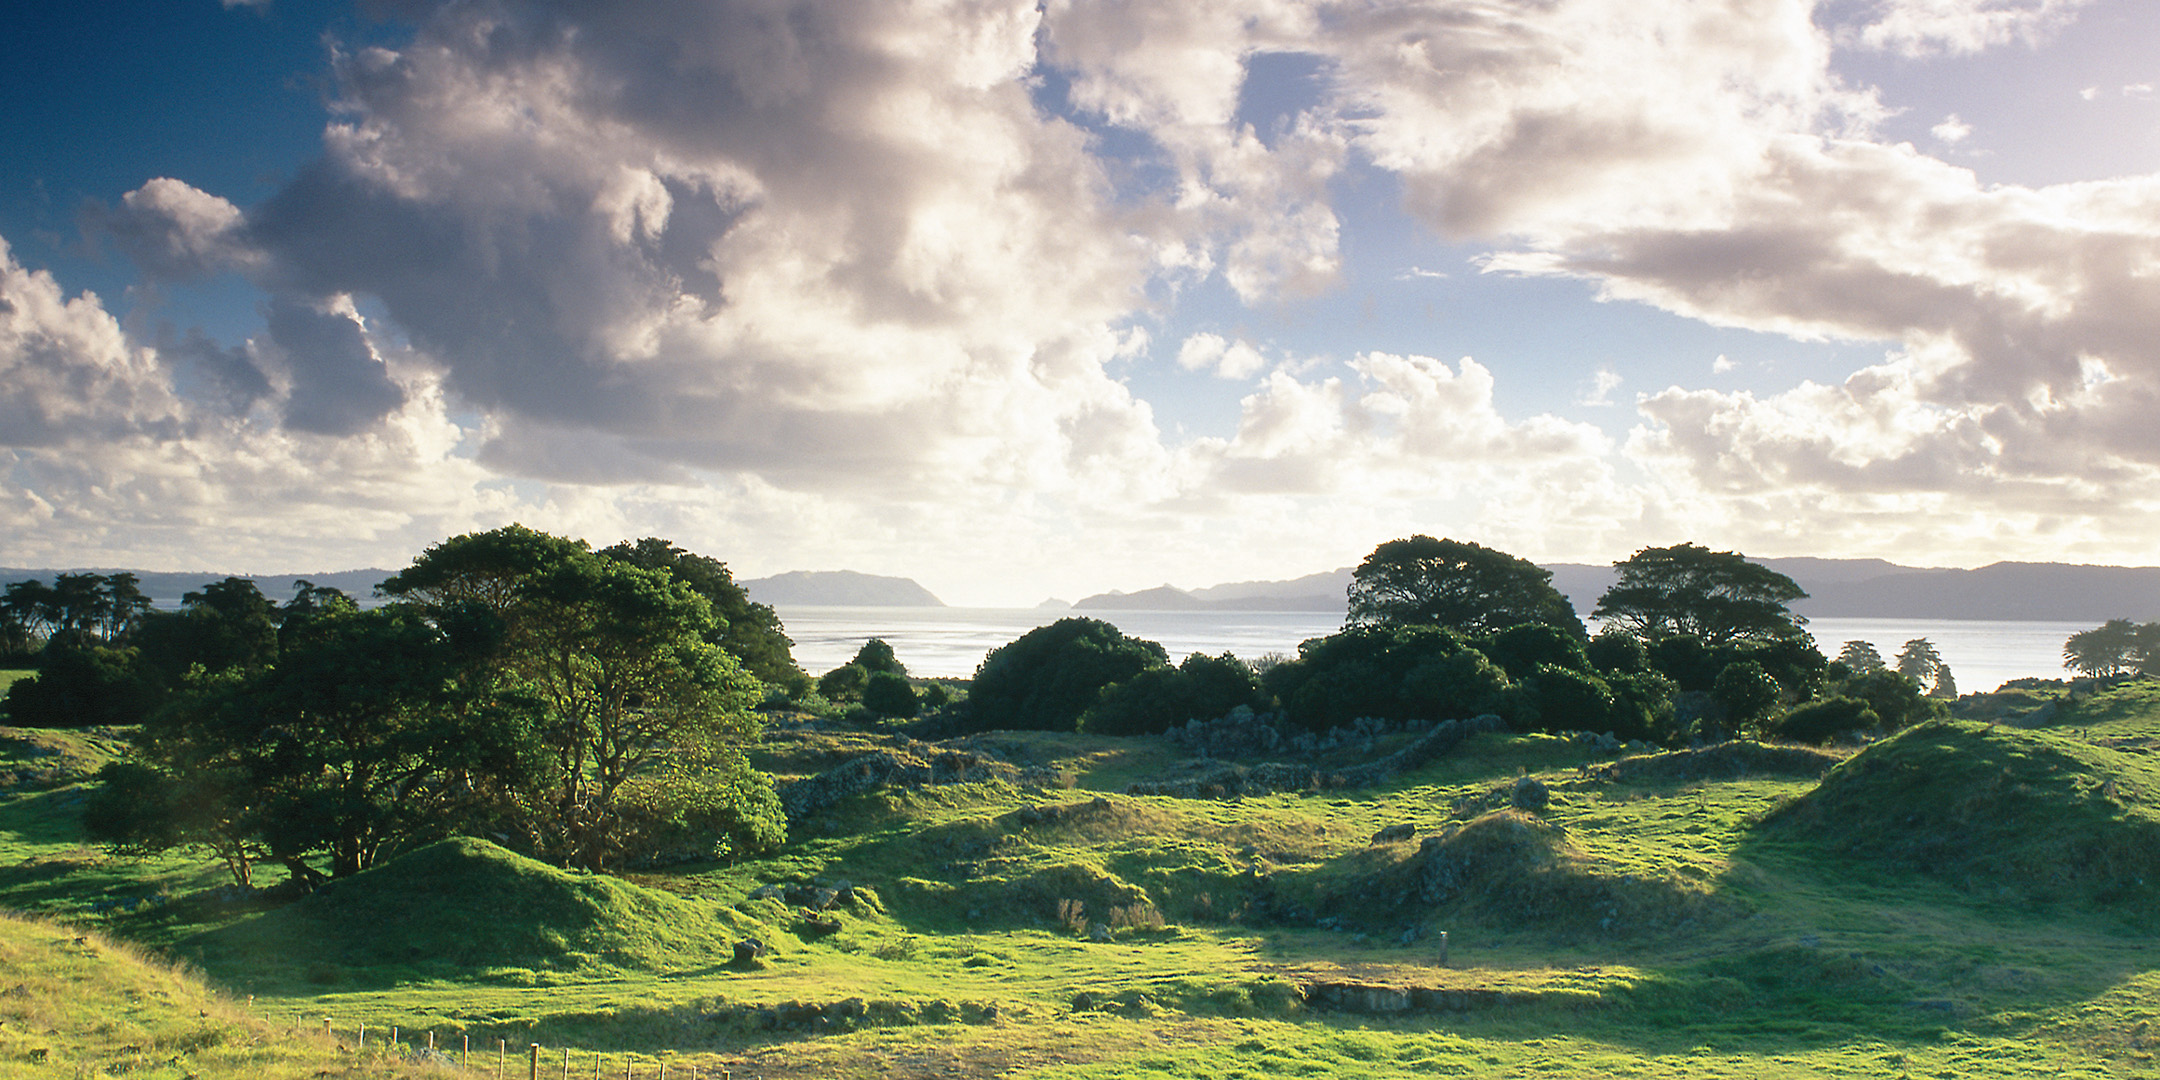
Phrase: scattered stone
pixel 767 892
pixel 1099 934
pixel 748 950
pixel 1393 833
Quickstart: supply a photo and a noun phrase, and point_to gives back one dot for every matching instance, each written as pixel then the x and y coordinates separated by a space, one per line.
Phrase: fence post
pixel 363 1038
pixel 535 1074
pixel 501 1048
pixel 1443 948
pixel 566 1063
pixel 465 1056
pixel 326 1027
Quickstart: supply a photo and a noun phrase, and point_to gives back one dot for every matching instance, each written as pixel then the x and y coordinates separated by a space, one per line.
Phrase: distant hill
pixel 1837 588
pixel 839 588
pixel 165 588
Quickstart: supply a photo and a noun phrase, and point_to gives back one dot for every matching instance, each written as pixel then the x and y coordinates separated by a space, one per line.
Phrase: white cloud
pixel 1228 359
pixel 849 285
pixel 1602 384
pixel 1928 27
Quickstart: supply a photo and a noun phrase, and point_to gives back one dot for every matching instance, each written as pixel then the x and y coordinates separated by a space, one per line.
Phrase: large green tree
pixel 1717 596
pixel 749 631
pixel 1460 586
pixel 634 696
pixel 2114 647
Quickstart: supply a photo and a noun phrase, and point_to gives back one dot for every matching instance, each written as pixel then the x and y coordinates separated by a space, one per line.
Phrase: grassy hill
pixel 1962 900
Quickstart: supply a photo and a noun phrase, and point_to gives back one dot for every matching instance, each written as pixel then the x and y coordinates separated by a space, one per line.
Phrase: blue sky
pixel 1023 300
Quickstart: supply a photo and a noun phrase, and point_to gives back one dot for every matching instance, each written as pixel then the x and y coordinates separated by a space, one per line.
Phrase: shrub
pixel 1819 722
pixel 889 695
pixel 843 684
pixel 1521 650
pixel 1565 699
pixel 1617 651
pixel 1203 687
pixel 1050 675
pixel 1746 691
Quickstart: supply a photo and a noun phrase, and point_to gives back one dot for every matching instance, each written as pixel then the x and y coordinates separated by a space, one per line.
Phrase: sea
pixel 949 642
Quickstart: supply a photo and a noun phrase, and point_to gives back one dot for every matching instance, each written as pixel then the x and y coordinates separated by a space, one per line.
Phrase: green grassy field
pixel 1966 900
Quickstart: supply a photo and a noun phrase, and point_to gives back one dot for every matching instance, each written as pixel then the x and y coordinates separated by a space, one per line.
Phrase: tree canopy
pixel 1457 585
pixel 2115 647
pixel 1717 596
pixel 519 684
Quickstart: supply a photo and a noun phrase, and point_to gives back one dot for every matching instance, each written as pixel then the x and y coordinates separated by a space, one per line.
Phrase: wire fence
pixel 531 1061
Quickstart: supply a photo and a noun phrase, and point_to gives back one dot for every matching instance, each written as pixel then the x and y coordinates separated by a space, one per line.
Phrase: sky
pixel 1030 299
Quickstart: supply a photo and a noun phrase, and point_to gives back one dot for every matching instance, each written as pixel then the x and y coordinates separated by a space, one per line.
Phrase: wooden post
pixel 393 1038
pixel 431 1041
pixel 363 1037
pixel 566 1063
pixel 1443 948
pixel 326 1027
pixel 465 1055
pixel 501 1048
pixel 535 1073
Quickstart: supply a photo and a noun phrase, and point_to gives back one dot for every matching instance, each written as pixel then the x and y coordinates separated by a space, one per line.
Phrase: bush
pixel 1203 687
pixel 1565 699
pixel 1818 722
pixel 889 695
pixel 1049 676
pixel 843 684
pixel 1522 650
pixel 1896 699
pixel 1400 673
pixel 1747 691
pixel 1617 651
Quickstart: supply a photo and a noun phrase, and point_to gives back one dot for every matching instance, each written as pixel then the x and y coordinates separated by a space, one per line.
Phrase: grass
pixel 1646 922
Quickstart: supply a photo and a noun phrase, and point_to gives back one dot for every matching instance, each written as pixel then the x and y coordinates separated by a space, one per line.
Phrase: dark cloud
pixel 339 385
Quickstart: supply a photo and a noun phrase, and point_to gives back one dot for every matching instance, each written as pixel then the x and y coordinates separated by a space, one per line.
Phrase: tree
pixel 1047 677
pixel 2114 647
pixel 749 631
pixel 226 624
pixel 1461 586
pixel 620 662
pixel 365 738
pixel 1718 596
pixel 1919 662
pixel 1860 657
pixel 620 659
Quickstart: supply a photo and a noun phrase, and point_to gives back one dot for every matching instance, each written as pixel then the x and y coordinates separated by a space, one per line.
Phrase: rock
pixel 1099 933
pixel 819 926
pixel 748 950
pixel 767 892
pixel 1400 831
pixel 1530 795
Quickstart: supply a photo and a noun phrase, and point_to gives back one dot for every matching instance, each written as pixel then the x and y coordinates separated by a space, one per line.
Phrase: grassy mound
pixel 2039 814
pixel 1512 870
pixel 463 907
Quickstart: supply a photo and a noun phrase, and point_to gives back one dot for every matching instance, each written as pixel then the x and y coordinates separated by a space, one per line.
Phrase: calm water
pixel 952 641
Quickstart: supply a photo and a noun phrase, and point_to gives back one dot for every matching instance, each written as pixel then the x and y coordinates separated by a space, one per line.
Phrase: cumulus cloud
pixel 832 273
pixel 175 232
